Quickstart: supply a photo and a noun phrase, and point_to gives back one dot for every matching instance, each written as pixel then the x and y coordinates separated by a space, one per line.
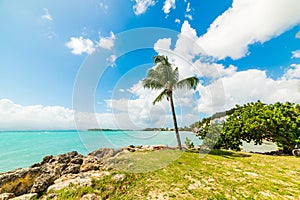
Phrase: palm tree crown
pixel 166 78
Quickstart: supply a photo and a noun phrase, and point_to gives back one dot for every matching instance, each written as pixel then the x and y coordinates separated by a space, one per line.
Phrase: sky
pixel 79 65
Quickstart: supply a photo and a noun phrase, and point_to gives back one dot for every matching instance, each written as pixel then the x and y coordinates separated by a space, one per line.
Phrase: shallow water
pixel 23 148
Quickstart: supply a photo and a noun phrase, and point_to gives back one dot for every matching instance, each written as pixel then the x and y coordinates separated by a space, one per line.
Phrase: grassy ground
pixel 218 175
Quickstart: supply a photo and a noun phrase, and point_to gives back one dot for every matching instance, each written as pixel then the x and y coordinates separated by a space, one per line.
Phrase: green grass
pixel 218 175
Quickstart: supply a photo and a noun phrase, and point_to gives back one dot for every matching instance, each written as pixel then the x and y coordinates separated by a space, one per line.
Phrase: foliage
pixel 279 123
pixel 165 78
pixel 214 116
pixel 188 143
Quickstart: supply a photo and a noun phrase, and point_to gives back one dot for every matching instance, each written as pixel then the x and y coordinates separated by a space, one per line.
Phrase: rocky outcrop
pixel 40 176
pixel 58 172
pixel 19 181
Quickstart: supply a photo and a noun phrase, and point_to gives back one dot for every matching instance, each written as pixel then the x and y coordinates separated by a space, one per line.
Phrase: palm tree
pixel 165 78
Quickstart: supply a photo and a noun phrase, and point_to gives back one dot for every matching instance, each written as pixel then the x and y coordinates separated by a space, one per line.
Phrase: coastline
pixel 57 172
pixel 22 148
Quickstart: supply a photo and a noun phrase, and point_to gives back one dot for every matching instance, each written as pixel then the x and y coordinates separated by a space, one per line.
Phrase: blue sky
pixel 241 50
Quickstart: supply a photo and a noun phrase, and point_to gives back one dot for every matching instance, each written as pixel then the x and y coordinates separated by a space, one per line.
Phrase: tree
pixel 165 78
pixel 278 123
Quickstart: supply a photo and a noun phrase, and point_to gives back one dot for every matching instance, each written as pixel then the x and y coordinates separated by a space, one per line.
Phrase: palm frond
pixel 189 83
pixel 175 76
pixel 160 96
pixel 154 74
pixel 152 83
pixel 164 67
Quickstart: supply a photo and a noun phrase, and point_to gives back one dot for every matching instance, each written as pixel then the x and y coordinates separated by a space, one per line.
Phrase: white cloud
pixel 112 60
pixel 79 45
pixel 293 72
pixel 249 86
pixel 141 6
pixel 182 56
pixel 188 8
pixel 46 15
pixel 189 16
pixel 162 44
pixel 37 117
pixel 168 5
pixel 107 42
pixel 177 21
pixel 248 22
pixel 296 54
pixel 14 117
pixel 223 87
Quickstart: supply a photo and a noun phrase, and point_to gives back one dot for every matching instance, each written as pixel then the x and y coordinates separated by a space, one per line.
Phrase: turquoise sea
pixel 23 148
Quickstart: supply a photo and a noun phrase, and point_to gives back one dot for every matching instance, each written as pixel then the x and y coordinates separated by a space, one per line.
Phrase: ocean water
pixel 23 148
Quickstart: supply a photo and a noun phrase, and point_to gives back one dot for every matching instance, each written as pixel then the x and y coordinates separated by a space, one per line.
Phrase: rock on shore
pixel 40 176
pixel 58 172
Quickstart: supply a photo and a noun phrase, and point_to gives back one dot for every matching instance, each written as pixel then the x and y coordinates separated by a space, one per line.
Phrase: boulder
pixel 104 153
pixel 81 179
pixel 91 163
pixel 41 175
pixel 18 181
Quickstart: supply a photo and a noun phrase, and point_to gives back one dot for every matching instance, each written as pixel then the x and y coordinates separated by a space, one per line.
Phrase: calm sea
pixel 23 148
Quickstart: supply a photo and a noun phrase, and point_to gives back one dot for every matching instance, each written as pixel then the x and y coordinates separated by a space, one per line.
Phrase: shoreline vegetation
pixel 143 172
pixel 145 129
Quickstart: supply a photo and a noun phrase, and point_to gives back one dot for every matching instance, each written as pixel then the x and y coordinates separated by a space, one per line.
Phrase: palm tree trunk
pixel 175 122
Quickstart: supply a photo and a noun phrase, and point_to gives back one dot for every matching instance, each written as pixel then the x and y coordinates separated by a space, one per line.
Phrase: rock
pixel 71 169
pixel 91 163
pixel 156 148
pixel 104 153
pixel 26 197
pixel 90 197
pixel 41 175
pixel 296 152
pixel 77 160
pixel 58 172
pixel 18 181
pixel 6 196
pixel 81 179
pixel 118 177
